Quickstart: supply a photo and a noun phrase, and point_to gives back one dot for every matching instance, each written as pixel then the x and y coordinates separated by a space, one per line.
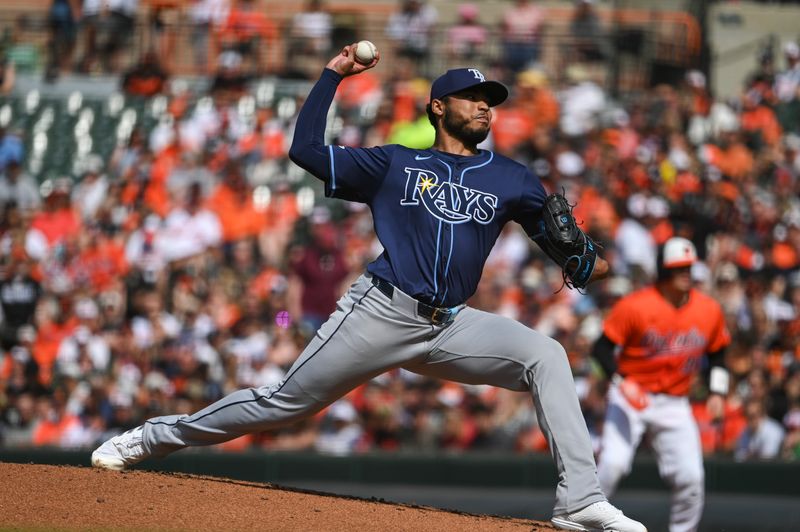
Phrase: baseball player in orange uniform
pixel 654 343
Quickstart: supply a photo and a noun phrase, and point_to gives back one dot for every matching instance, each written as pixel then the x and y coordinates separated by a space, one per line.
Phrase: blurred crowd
pixel 189 263
pixel 152 39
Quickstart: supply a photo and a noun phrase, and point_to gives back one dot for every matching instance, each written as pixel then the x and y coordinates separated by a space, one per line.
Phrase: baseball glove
pixel 563 241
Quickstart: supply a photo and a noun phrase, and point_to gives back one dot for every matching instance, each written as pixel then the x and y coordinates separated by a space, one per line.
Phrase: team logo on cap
pixel 448 202
pixel 477 74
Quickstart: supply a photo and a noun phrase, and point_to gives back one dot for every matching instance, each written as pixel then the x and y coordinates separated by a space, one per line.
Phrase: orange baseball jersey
pixel 662 346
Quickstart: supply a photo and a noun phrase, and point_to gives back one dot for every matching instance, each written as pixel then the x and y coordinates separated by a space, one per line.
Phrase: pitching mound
pixel 69 498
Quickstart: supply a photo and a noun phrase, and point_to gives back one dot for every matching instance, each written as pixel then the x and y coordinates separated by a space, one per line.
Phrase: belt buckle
pixel 447 313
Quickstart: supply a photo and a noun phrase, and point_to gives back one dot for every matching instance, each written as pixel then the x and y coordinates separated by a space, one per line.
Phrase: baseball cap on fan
pixel 459 79
pixel 678 253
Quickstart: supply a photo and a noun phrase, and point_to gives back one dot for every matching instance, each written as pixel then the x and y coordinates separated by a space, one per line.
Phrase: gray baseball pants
pixel 369 334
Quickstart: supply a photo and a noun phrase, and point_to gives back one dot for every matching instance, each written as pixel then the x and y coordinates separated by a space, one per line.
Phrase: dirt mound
pixel 70 498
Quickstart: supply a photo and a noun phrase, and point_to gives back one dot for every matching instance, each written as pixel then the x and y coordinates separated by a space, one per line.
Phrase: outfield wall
pixel 467 470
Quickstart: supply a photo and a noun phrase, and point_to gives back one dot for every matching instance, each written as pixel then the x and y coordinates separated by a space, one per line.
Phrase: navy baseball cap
pixel 458 79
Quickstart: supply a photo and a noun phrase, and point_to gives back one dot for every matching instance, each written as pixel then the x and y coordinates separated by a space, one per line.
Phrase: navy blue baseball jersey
pixel 436 214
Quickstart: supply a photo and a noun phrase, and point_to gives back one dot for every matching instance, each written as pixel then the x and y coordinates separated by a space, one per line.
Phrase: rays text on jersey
pixel 446 201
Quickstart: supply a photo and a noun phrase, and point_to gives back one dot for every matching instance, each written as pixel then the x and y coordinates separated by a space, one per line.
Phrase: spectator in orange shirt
pixel 282 214
pixel 732 157
pixel 251 33
pixel 54 422
pixel 54 323
pixel 101 259
pixel 232 201
pixel 783 255
pixel 512 127
pixel 407 94
pixel 597 213
pixel 355 91
pixel 155 194
pixel 533 106
pixel 267 140
pixel 759 120
pixel 269 280
pixel 535 96
pixel 56 222
pixel 719 434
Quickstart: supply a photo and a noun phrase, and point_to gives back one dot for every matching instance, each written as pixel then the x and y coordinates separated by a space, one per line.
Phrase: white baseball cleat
pixel 121 451
pixel 598 517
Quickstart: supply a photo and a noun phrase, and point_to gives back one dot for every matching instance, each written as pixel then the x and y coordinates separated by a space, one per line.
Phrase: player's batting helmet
pixel 677 252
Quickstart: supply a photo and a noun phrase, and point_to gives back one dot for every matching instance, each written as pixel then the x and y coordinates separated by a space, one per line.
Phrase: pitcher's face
pixel 467 115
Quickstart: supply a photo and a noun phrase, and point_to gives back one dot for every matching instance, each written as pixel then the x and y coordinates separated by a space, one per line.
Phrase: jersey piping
pixel 438 245
pixel 453 227
pixel 333 168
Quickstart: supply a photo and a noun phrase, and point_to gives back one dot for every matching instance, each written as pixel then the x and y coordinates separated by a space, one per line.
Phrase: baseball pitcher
pixel 662 334
pixel 437 213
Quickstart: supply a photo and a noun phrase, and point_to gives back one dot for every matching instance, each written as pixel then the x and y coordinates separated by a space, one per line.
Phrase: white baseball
pixel 365 52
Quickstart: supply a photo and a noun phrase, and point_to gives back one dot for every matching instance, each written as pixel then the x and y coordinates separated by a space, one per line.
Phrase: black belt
pixel 436 315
